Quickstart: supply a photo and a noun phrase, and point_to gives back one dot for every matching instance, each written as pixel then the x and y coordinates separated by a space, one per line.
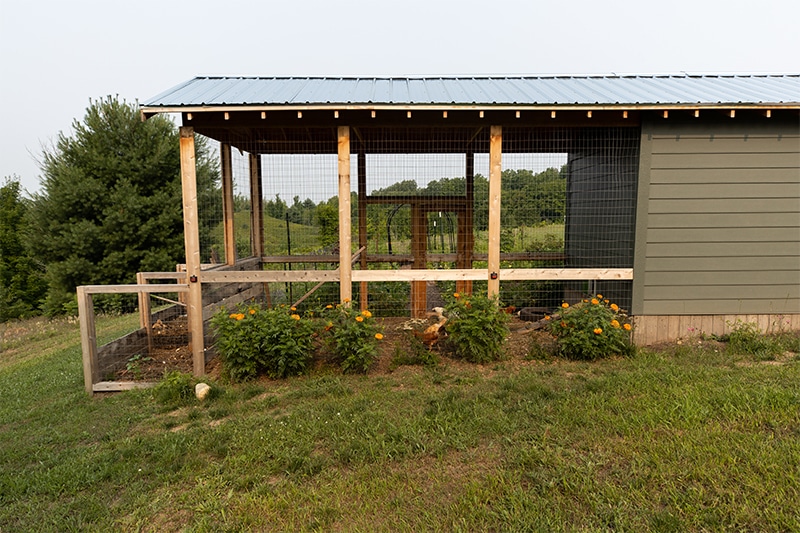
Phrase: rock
pixel 201 390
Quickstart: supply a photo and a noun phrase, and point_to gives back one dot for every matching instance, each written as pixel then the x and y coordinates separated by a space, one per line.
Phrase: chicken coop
pixel 678 197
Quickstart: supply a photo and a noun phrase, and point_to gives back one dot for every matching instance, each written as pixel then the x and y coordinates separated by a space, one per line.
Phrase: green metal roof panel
pixel 454 91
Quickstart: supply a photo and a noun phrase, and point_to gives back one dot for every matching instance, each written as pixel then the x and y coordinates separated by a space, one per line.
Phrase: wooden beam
pixel 194 298
pixel 270 276
pixel 495 174
pixel 88 339
pixel 256 207
pixel 345 270
pixel 227 204
pixel 465 237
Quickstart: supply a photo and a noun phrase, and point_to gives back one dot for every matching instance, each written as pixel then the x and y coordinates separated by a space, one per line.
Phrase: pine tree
pixel 110 203
pixel 22 285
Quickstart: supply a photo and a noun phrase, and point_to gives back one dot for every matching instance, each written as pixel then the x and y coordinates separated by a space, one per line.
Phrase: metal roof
pixel 449 92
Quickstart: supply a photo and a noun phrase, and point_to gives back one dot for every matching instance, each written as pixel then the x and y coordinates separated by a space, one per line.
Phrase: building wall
pixel 718 219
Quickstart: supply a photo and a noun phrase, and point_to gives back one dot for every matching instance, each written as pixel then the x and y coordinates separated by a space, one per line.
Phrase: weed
pixel 134 365
pixel 746 338
pixel 177 388
pixel 412 351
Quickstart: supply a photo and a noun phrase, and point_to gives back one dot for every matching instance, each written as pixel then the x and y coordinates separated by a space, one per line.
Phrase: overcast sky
pixel 57 54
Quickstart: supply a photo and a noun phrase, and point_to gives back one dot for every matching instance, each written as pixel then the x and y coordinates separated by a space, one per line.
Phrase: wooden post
pixel 227 203
pixel 91 374
pixel 256 208
pixel 345 269
pixel 144 311
pixel 194 298
pixel 362 223
pixel 495 174
pixel 419 249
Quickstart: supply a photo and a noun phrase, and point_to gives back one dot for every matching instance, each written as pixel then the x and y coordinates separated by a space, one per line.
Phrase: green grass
pixel 693 439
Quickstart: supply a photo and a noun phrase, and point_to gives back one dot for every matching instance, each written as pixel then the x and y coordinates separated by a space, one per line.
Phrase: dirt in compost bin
pixel 171 351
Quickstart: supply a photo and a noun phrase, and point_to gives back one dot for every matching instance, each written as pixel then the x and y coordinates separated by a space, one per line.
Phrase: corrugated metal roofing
pixel 488 91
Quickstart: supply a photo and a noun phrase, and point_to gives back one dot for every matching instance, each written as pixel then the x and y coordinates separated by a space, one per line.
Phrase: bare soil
pixel 176 356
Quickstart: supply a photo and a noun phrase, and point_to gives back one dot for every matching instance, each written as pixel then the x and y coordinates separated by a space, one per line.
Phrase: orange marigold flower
pixel 615 323
pixel 595 301
pixel 599 296
pixel 359 318
pixel 456 295
pixel 252 311
pixel 293 308
pixel 366 313
pixel 614 307
pixel 547 317
pixel 563 324
pixel 329 306
pixel 232 315
pixel 598 331
pixel 240 316
pixel 296 317
pixel 565 305
pixel 346 300
pixel 379 336
pixel 627 327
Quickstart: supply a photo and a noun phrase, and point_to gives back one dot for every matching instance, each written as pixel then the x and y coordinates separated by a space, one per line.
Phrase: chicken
pixel 431 335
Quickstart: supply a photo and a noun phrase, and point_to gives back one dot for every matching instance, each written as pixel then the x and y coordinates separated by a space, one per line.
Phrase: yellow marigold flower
pixel 615 323
pixel 614 307
pixel 456 295
pixel 252 311
pixel 366 313
pixel 359 318
pixel 627 327
pixel 598 331
pixel 379 336
pixel 565 305
pixel 595 301
pixel 329 306
pixel 296 317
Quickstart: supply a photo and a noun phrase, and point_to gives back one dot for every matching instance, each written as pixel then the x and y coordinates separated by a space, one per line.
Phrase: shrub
pixel 253 339
pixel 177 388
pixel 352 336
pixel 592 329
pixel 476 327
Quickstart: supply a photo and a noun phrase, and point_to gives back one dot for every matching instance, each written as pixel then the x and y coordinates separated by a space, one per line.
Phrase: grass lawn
pixel 690 438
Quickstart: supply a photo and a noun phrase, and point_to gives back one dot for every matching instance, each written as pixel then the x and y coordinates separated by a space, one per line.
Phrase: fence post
pixel 88 339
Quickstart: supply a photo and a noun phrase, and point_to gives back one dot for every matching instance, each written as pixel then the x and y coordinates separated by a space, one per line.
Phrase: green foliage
pixel 327 218
pixel 177 388
pixel 477 327
pixel 134 365
pixel 110 202
pixel 412 351
pixel 352 336
pixel 22 285
pixel 746 338
pixel 254 339
pixel 592 329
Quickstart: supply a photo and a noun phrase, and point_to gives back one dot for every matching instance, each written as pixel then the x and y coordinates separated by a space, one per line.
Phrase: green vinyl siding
pixel 718 227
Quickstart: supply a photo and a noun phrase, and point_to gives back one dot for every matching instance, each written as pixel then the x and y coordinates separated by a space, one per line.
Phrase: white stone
pixel 201 390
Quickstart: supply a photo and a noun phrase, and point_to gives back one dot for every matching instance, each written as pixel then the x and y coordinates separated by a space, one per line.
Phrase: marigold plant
pixel 255 340
pixel 352 336
pixel 476 327
pixel 592 329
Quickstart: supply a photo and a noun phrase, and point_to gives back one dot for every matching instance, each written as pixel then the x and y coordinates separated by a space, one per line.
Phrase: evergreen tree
pixel 22 285
pixel 110 203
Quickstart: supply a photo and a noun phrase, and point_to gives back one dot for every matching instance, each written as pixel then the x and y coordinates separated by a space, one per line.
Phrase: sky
pixel 59 55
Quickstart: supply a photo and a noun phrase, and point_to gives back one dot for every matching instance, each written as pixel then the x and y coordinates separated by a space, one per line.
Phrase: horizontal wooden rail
pixel 125 289
pixel 408 258
pixel 264 276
